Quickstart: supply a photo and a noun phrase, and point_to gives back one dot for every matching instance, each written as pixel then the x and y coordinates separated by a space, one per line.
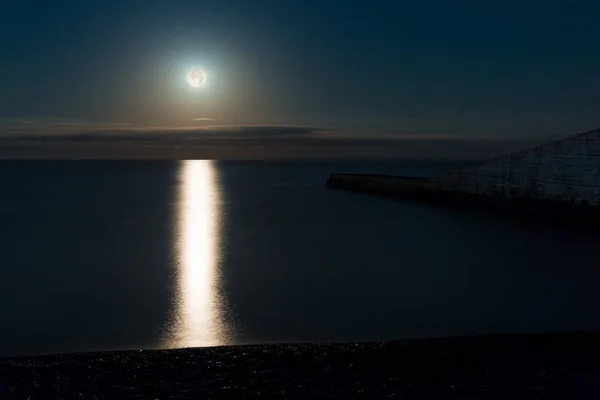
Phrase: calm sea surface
pixel 118 255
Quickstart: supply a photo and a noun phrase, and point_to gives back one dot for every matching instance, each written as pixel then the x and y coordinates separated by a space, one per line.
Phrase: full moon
pixel 196 77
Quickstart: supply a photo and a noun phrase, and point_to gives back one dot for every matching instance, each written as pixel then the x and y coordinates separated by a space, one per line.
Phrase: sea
pixel 114 255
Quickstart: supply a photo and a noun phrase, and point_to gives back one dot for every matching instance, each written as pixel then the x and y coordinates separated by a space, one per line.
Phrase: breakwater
pixel 558 181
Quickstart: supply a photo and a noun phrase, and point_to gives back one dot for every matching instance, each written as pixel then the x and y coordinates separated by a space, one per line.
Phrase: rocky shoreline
pixel 498 366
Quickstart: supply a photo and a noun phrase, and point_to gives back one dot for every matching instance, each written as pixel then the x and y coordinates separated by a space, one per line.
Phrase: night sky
pixel 369 69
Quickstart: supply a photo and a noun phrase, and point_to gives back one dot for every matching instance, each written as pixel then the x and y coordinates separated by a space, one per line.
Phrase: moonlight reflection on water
pixel 198 321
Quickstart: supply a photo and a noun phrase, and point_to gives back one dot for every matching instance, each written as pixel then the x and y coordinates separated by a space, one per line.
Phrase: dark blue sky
pixel 504 69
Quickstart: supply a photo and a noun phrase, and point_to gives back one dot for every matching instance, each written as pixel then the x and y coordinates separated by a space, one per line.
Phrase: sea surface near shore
pixel 112 255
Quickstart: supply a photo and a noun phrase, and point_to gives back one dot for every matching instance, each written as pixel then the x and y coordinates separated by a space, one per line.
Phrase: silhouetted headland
pixel 558 181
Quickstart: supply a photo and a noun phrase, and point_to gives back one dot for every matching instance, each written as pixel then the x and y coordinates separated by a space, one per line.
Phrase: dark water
pixel 113 255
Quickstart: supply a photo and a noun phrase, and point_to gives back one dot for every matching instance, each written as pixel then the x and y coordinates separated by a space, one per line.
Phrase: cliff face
pixel 566 170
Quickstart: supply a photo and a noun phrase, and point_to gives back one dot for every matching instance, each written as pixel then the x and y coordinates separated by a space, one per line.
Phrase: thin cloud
pixel 70 138
pixel 263 131
pixel 204 119
pixel 212 132
pixel 52 126
pixel 77 130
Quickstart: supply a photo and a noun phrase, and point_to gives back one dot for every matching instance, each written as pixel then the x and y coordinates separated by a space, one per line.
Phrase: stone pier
pixel 559 181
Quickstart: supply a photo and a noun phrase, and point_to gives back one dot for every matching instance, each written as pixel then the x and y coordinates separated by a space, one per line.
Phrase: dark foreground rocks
pixel 508 366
